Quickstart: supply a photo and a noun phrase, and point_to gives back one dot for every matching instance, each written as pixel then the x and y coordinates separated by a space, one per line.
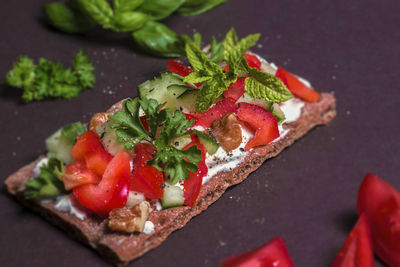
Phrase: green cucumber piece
pixel 181 141
pixel 109 139
pixel 59 147
pixel 251 100
pixel 277 112
pixel 187 100
pixel 209 143
pixel 173 196
pixel 165 89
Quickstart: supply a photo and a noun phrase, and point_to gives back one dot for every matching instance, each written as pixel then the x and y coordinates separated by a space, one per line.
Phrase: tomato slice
pixel 178 67
pixel 297 87
pixel 98 160
pixel 236 89
pixel 381 204
pixel 146 178
pixel 262 121
pixel 76 174
pixel 192 185
pixel 253 61
pixel 357 249
pixel 223 107
pixel 85 143
pixel 272 254
pixel 113 189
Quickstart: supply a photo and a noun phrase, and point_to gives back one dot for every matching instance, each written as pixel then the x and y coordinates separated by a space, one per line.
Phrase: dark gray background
pixel 307 194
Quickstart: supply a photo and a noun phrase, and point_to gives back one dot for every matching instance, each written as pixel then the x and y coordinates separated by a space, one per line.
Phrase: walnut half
pixel 227 132
pixel 129 219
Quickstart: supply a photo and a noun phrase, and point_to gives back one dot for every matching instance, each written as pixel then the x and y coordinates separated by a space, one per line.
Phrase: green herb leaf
pixel 66 18
pixel 100 11
pixel 196 77
pixel 152 109
pixel 158 39
pixel 129 21
pixel 265 86
pixel 71 131
pixel 160 9
pixel 50 79
pixel 195 7
pixel 216 50
pixel 129 128
pixel 126 5
pixel 48 183
pixel 234 49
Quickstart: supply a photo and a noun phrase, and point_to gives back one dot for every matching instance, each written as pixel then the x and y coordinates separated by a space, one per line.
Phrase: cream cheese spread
pixel 65 204
pixel 148 227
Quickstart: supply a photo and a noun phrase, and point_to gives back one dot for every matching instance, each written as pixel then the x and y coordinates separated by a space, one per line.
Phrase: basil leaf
pixel 126 5
pixel 191 9
pixel 160 9
pixel 67 19
pixel 129 21
pixel 157 39
pixel 99 10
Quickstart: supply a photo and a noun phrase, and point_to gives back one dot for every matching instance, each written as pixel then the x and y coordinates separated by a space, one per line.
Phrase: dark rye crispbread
pixel 121 248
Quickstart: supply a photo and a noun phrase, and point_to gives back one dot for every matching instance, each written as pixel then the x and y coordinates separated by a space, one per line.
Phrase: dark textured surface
pixel 307 194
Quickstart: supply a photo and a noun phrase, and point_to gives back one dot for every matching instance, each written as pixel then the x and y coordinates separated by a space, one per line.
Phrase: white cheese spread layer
pixel 65 204
pixel 148 227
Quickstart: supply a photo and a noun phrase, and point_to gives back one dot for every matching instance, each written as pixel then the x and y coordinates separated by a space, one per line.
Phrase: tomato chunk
pixel 113 189
pixel 235 90
pixel 85 143
pixel 253 61
pixel 357 249
pixel 146 178
pixel 262 121
pixel 76 174
pixel 178 67
pixel 297 87
pixel 192 185
pixel 272 254
pixel 381 204
pixel 225 106
pixel 98 160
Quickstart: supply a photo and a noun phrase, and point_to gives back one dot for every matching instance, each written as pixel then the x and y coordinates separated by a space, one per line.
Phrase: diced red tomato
pixel 272 254
pixel 192 185
pixel 357 249
pixel 236 89
pixel 76 174
pixel 178 67
pixel 146 178
pixel 381 204
pixel 253 61
pixel 190 116
pixel 297 87
pixel 113 189
pixel 85 143
pixel 262 121
pixel 98 160
pixel 223 107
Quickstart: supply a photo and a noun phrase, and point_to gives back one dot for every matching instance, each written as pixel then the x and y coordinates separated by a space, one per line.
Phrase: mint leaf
pixel 129 129
pixel 216 50
pixel 265 86
pixel 48 184
pixel 196 77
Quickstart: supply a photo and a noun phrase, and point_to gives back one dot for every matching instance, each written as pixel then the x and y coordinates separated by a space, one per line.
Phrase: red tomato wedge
pixel 381 204
pixel 113 189
pixel 272 254
pixel 357 249
pixel 98 160
pixel 178 67
pixel 235 90
pixel 262 121
pixel 86 143
pixel 297 87
pixel 253 61
pixel 192 185
pixel 76 174
pixel 146 178
pixel 223 107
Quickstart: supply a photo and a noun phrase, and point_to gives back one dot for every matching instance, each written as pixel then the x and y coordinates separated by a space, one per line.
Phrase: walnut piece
pixel 129 219
pixel 97 119
pixel 227 132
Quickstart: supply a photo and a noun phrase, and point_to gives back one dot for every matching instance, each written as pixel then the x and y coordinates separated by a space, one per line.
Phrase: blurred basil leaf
pixel 160 9
pixel 100 11
pixel 129 21
pixel 126 5
pixel 190 9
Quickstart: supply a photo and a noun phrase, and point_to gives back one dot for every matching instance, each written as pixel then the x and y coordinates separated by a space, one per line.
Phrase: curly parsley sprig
pixel 130 131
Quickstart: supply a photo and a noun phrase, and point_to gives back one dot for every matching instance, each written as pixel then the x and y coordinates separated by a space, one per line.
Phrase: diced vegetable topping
pixel 225 106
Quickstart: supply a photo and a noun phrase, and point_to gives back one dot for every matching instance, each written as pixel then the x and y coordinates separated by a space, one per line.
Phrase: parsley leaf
pixel 152 110
pixel 47 184
pixel 129 128
pixel 50 79
pixel 71 131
